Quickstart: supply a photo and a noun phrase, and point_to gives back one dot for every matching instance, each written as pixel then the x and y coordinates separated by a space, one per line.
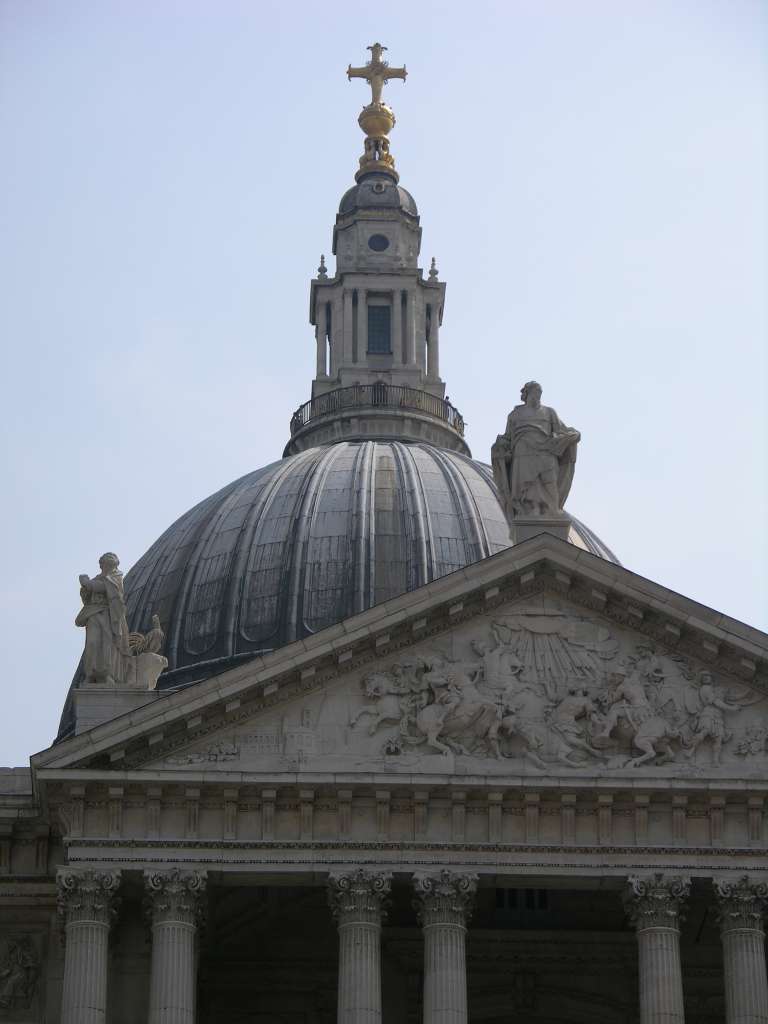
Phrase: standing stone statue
pixel 533 460
pixel 113 656
pixel 106 627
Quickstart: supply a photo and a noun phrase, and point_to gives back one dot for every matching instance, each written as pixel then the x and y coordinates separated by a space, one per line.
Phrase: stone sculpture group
pixel 113 657
pixel 550 689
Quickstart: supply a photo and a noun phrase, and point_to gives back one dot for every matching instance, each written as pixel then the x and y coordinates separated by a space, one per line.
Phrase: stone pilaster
pixel 87 905
pixel 444 904
pixel 358 900
pixel 740 905
pixel 173 900
pixel 654 905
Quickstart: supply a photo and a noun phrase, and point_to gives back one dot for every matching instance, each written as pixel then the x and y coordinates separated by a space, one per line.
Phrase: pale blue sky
pixel 591 178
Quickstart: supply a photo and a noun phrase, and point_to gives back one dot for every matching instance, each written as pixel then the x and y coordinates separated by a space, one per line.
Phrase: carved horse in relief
pixel 459 715
pixel 653 736
pixel 383 692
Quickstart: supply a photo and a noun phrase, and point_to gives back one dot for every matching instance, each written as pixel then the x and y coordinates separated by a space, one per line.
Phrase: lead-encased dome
pixel 377 192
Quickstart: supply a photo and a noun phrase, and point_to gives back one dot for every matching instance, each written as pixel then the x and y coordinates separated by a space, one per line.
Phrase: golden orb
pixel 376 120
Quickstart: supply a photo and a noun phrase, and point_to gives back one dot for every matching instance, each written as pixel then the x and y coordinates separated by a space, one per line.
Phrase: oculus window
pixel 378 243
pixel 380 330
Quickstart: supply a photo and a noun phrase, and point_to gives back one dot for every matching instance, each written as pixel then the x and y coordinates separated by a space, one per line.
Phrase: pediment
pixel 534 686
pixel 542 660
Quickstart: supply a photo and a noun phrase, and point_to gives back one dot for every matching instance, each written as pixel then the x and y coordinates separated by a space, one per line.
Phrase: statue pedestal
pixel 521 529
pixel 97 704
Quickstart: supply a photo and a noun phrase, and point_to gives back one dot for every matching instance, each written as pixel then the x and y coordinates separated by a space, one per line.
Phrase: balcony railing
pixel 385 396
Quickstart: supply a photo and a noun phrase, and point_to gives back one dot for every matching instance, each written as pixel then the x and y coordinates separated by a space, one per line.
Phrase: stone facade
pixel 524 785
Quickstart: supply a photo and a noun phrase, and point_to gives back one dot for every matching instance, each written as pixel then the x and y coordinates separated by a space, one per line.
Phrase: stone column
pixel 654 905
pixel 443 904
pixel 362 324
pixel 87 905
pixel 321 334
pixel 740 906
pixel 433 348
pixel 409 328
pixel 398 341
pixel 358 900
pixel 347 327
pixel 174 904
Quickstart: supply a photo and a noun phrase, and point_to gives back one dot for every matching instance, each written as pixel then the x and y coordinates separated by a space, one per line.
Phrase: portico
pixel 391 947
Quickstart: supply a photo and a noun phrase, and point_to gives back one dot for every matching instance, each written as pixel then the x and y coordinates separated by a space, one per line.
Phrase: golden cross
pixel 376 72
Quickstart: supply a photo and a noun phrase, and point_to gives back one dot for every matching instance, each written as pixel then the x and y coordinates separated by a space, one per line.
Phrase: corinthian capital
pixel 359 894
pixel 655 901
pixel 444 897
pixel 87 895
pixel 740 903
pixel 174 895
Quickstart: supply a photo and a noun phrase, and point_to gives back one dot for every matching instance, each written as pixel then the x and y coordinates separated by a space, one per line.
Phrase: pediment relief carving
pixel 533 687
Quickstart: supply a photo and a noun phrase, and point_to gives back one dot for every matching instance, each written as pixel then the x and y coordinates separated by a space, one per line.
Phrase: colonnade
pixel 348 345
pixel 443 899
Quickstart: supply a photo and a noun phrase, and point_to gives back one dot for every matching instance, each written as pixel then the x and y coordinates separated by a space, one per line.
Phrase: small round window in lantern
pixel 378 243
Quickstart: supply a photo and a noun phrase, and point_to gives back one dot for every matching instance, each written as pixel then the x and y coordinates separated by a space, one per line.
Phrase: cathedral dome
pixel 309 541
pixel 377 192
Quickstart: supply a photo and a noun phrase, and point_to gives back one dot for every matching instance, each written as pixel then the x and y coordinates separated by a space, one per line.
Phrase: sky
pixel 591 177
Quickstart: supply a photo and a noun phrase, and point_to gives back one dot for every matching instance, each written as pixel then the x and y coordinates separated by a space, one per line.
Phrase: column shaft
pixel 398 344
pixel 661 983
pixel 362 324
pixel 87 903
pixel 444 902
pixel 433 348
pixel 174 904
pixel 410 328
pixel 741 906
pixel 358 899
pixel 321 334
pixel 445 974
pixel 172 988
pixel 654 905
pixel 347 328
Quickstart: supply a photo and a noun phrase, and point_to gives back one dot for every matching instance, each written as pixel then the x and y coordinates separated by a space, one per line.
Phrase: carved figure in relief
pixel 753 741
pixel 500 664
pixel 650 730
pixel 19 970
pixel 708 707
pixel 546 686
pixel 459 712
pixel 569 719
pixel 383 692
pixel 533 460
pixel 628 702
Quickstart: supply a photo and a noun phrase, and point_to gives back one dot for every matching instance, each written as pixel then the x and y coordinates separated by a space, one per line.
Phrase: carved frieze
pixel 531 687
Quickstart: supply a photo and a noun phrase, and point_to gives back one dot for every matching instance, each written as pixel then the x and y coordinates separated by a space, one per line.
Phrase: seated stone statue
pixel 533 460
